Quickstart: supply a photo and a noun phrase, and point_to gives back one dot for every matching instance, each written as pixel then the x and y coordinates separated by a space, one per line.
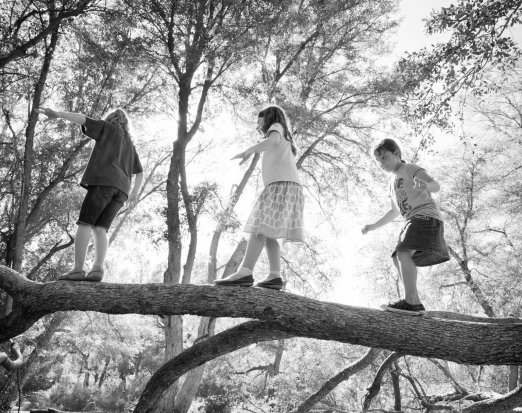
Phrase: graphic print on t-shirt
pixel 402 199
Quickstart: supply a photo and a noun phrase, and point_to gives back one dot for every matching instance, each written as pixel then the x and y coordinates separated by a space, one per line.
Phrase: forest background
pixel 192 75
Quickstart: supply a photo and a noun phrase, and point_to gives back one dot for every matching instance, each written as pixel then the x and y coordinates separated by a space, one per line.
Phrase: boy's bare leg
pixel 81 242
pixel 408 272
pixel 100 247
pixel 273 251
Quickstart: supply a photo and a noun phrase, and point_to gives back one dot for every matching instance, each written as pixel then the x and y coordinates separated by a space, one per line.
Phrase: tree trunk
pixel 174 324
pixel 191 384
pixel 278 357
pixel 396 384
pixel 513 378
pixel 103 375
pixel 15 256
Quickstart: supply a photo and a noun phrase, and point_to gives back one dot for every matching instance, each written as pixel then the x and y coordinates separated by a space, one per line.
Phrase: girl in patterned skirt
pixel 278 212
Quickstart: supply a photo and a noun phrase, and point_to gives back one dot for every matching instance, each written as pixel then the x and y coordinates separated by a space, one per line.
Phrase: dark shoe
pixel 246 281
pixel 94 275
pixel 73 275
pixel 272 284
pixel 404 307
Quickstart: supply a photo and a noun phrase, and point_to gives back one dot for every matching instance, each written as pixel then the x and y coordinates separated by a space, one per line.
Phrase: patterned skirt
pixel 278 212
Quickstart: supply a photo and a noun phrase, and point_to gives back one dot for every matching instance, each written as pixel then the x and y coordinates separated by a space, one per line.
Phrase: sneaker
pixel 404 307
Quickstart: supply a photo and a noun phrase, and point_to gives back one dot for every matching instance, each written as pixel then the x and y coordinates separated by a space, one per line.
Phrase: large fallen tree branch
pixel 462 339
pixel 230 340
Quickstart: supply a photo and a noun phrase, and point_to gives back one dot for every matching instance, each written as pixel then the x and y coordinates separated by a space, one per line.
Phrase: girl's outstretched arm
pixel 386 219
pixel 51 114
pixel 258 147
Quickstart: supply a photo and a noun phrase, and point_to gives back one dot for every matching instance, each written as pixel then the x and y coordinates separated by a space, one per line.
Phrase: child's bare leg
pixel 408 272
pixel 255 245
pixel 273 251
pixel 81 242
pixel 100 247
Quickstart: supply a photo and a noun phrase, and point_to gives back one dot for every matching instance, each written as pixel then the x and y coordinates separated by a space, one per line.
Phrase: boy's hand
pixel 50 113
pixel 133 200
pixel 420 184
pixel 366 229
pixel 243 156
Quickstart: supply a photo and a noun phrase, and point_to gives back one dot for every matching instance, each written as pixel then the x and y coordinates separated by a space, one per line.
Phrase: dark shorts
pixel 100 206
pixel 424 235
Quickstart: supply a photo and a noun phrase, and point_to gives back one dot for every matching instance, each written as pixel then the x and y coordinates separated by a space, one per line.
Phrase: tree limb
pixel 472 341
pixel 374 389
pixel 343 375
pixel 226 342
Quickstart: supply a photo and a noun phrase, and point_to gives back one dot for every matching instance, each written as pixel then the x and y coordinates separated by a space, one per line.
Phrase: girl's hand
pixel 419 184
pixel 366 229
pixel 50 113
pixel 243 156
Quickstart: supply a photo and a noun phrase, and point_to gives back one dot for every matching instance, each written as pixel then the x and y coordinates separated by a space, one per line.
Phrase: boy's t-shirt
pixel 113 159
pixel 278 160
pixel 409 201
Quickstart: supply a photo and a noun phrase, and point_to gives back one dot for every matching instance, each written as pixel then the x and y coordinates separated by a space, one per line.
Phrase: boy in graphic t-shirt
pixel 421 241
pixel 107 179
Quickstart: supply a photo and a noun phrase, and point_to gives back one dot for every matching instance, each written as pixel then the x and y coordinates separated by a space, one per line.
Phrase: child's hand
pixel 366 229
pixel 243 156
pixel 50 113
pixel 420 184
pixel 133 200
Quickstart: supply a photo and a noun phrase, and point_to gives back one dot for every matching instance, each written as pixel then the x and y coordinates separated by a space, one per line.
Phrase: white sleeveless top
pixel 278 161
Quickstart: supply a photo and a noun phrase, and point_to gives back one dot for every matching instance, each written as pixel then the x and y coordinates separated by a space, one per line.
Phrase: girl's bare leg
pixel 255 245
pixel 273 250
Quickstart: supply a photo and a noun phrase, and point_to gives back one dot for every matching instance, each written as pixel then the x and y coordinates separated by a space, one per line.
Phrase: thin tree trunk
pixel 374 389
pixel 343 375
pixel 277 360
pixel 513 378
pixel 191 384
pixel 173 325
pixel 103 375
pixel 396 384
pixel 15 260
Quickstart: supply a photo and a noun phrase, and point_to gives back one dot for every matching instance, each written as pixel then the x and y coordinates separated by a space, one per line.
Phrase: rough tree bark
pixel 459 338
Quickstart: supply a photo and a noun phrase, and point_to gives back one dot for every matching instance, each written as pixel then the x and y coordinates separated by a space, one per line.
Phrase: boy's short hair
pixel 387 145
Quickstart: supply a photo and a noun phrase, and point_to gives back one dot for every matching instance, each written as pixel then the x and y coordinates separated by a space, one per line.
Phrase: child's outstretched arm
pixel 258 147
pixel 51 114
pixel 423 182
pixel 133 196
pixel 386 219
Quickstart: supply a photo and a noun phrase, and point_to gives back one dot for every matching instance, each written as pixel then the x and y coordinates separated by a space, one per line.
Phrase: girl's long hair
pixel 276 114
pixel 388 145
pixel 119 117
